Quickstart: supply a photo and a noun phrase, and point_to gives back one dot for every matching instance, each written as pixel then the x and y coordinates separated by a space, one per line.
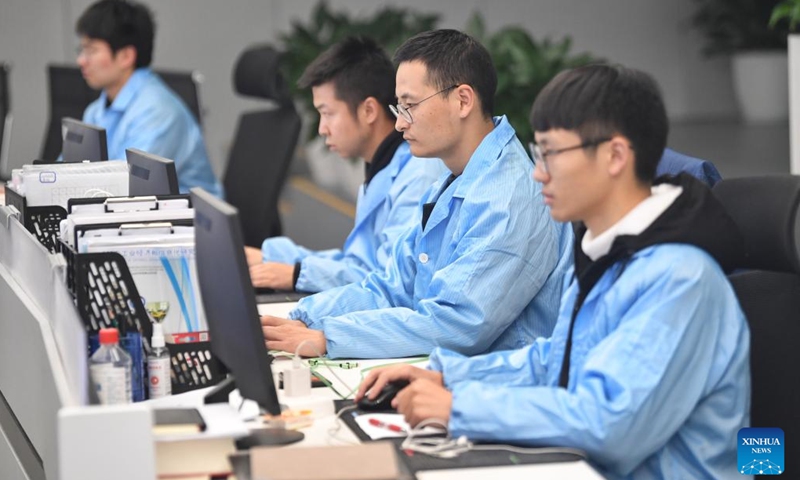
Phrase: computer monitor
pixel 151 174
pixel 83 141
pixel 5 122
pixel 230 306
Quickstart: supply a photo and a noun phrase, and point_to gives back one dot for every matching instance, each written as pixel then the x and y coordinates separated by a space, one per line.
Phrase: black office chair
pixel 766 211
pixel 263 146
pixel 70 95
pixel 5 121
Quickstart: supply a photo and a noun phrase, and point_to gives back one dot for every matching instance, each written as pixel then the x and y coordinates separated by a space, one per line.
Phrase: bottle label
pixel 158 375
pixel 111 384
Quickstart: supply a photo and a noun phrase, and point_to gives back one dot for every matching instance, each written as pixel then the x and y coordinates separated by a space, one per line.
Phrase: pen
pixel 388 426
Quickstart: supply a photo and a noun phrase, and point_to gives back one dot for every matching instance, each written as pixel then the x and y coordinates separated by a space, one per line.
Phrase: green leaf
pixel 476 27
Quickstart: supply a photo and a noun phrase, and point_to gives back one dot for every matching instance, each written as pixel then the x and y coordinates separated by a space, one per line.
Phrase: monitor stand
pixel 257 437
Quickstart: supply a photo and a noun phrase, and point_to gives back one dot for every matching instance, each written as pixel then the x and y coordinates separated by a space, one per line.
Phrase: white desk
pixel 88 439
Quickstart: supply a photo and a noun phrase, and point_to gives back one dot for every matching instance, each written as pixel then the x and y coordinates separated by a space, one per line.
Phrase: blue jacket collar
pixel 129 91
pixel 488 152
pixel 382 182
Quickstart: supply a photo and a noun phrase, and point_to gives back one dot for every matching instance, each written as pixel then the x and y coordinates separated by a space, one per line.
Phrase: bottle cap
pixel 158 336
pixel 109 336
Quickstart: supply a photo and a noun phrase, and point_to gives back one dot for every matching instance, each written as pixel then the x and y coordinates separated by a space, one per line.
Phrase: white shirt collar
pixel 634 222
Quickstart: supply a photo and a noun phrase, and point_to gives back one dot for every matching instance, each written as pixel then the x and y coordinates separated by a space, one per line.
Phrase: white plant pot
pixel 794 99
pixel 760 80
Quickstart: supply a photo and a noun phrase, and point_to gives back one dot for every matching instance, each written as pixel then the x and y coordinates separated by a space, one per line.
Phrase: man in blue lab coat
pixel 647 369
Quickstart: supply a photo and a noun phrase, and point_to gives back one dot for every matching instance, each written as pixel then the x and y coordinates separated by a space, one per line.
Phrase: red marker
pixel 388 426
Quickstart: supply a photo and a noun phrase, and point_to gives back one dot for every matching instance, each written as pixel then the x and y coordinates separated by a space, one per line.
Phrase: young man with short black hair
pixel 135 106
pixel 647 368
pixel 352 85
pixel 483 269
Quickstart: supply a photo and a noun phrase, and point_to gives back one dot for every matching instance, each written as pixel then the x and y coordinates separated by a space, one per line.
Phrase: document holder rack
pixel 43 222
pixel 106 296
pixel 193 366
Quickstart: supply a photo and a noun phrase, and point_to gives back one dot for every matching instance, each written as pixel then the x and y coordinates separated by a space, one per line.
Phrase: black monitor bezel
pixel 219 266
pixel 72 125
pixel 153 164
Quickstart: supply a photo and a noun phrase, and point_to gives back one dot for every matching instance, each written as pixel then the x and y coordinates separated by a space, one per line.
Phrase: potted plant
pixel 524 66
pixel 739 28
pixel 389 27
pixel 787 13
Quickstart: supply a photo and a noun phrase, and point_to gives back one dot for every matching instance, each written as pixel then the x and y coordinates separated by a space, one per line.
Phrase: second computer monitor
pixel 83 141
pixel 151 174
pixel 229 299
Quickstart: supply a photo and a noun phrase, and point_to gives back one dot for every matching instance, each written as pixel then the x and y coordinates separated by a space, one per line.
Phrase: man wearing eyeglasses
pixel 647 369
pixel 136 107
pixel 483 269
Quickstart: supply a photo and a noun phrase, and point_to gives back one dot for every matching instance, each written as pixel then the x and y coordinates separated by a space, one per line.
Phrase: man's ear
pixel 369 110
pixel 621 156
pixel 126 56
pixel 467 100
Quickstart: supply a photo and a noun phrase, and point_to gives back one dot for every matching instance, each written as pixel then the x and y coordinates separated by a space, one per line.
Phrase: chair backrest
pixel 263 145
pixel 673 163
pixel 5 120
pixel 187 86
pixel 70 95
pixel 766 211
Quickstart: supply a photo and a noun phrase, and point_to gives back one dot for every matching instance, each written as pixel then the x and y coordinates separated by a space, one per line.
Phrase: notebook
pixel 171 421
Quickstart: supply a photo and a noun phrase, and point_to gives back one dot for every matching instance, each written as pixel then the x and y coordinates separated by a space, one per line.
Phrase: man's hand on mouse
pixel 379 377
pixel 272 275
pixel 284 334
pixel 423 399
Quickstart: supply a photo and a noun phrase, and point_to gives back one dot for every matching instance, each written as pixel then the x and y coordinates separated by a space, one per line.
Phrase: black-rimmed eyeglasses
pixel 540 156
pixel 400 110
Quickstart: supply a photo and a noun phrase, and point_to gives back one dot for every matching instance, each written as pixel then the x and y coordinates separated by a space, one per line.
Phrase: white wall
pixel 207 35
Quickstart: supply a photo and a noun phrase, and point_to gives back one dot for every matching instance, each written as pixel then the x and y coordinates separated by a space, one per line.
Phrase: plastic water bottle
pixel 110 368
pixel 158 369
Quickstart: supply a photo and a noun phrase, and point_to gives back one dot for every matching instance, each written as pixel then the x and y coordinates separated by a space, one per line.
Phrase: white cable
pixel 531 451
pixel 448 447
pixel 337 424
pixel 97 192
pixel 316 350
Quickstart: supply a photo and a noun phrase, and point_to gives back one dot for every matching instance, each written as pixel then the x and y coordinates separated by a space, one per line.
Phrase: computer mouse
pixel 384 399
pixel 268 437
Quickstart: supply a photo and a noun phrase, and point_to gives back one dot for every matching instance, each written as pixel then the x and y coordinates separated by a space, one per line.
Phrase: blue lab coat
pixel 484 274
pixel 659 379
pixel 149 116
pixel 384 209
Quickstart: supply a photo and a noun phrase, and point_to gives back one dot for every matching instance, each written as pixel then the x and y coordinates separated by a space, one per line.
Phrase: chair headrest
pixel 257 75
pixel 766 211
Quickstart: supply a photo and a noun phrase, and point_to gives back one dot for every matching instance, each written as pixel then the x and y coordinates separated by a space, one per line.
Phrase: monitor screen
pixel 151 174
pixel 229 299
pixel 83 141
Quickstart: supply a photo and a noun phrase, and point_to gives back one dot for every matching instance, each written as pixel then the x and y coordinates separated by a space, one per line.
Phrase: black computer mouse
pixel 384 399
